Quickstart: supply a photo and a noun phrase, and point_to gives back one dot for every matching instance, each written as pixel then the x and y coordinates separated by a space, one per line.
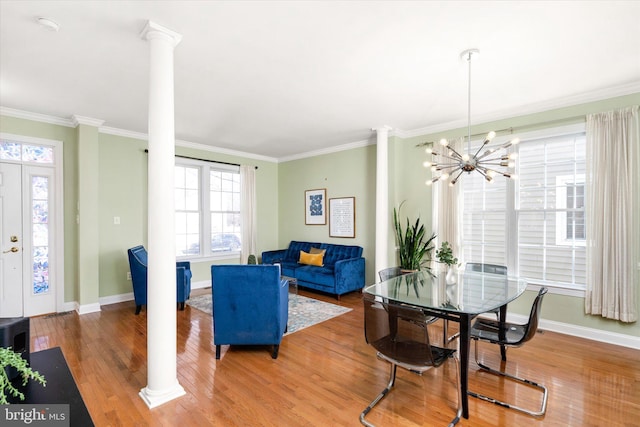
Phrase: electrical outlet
pixel 128 275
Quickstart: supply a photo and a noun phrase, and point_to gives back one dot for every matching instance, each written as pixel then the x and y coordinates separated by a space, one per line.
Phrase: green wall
pixel 351 173
pixel 122 193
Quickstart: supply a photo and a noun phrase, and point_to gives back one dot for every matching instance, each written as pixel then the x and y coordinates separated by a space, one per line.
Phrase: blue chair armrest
pixel 272 257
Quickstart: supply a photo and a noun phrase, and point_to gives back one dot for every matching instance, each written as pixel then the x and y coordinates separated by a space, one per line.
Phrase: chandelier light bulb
pixel 491 135
pixel 428 150
pixel 444 142
pixel 427 164
pixel 515 141
pixel 465 157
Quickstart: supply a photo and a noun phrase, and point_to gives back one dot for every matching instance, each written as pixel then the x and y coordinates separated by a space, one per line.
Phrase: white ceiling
pixel 280 79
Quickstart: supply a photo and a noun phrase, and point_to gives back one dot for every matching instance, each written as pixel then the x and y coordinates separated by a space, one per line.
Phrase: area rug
pixel 303 311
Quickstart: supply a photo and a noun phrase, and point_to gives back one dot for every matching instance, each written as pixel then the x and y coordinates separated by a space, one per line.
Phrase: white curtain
pixel 447 209
pixel 612 214
pixel 248 212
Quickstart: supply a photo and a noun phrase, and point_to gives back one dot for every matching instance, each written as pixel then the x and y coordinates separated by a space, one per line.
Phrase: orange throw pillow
pixel 311 259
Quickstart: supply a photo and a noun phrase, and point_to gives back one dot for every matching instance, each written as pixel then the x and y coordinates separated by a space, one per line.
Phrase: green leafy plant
pixel 11 359
pixel 413 244
pixel 444 255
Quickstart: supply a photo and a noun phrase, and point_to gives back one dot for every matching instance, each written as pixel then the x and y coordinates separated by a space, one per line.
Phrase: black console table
pixel 60 389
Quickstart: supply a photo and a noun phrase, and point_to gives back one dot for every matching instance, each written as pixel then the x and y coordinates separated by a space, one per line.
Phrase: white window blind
pixel 535 224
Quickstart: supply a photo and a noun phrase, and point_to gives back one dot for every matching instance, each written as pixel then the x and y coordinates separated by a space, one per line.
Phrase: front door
pixel 11 287
pixel 26 204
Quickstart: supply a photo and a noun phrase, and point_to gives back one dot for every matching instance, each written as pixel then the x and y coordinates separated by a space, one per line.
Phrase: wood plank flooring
pixel 326 375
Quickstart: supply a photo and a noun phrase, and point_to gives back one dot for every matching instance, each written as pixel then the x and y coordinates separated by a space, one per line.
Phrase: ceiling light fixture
pixel 49 24
pixel 487 163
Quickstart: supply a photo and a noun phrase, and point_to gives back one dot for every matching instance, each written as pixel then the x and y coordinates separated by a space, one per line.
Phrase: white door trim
pixel 58 247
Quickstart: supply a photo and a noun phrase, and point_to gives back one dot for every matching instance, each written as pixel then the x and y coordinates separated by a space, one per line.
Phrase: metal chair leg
pixel 542 388
pixel 383 393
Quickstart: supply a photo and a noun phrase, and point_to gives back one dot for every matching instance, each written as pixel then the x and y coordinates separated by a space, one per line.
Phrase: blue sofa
pixel 250 306
pixel 138 266
pixel 342 270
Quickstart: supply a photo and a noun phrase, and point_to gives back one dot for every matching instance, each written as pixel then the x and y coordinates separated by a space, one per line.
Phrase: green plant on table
pixel 11 359
pixel 444 255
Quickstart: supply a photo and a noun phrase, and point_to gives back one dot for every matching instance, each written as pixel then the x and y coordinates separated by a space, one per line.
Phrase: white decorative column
pixel 162 382
pixel 382 199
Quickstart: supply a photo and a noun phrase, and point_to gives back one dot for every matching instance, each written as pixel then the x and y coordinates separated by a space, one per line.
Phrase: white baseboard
pixel 88 308
pixel 582 332
pixel 549 325
pixel 201 285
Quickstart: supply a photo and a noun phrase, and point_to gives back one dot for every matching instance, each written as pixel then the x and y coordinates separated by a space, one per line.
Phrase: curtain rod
pixel 519 128
pixel 203 160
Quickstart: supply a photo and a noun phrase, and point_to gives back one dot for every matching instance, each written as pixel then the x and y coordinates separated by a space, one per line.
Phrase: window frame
pixel 204 209
pixel 511 242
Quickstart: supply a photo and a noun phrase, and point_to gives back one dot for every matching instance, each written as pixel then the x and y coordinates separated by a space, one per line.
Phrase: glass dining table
pixel 472 293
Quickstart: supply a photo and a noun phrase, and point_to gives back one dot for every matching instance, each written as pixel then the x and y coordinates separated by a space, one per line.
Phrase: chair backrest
pixel 534 317
pixel 393 330
pixel 486 268
pixel 388 273
pixel 250 304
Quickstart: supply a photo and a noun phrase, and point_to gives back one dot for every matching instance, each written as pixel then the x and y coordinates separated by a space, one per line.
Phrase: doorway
pixel 29 210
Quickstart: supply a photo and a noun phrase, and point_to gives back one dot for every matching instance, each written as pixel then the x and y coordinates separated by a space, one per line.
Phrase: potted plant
pixel 10 359
pixel 414 247
pixel 445 256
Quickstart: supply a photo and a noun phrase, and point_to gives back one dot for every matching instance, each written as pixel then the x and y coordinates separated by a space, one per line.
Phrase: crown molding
pixel 328 150
pixel 36 117
pixel 568 101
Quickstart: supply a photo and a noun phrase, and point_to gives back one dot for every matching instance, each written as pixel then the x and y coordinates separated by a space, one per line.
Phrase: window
pixel 207 203
pixel 535 225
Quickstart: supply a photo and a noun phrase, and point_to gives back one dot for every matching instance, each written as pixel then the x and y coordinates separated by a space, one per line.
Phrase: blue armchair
pixel 138 267
pixel 250 306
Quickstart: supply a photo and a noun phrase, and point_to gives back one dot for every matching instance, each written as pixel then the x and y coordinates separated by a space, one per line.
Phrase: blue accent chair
pixel 138 267
pixel 250 306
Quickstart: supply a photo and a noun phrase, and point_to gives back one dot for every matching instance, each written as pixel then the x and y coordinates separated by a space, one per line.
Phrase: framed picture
pixel 342 217
pixel 315 207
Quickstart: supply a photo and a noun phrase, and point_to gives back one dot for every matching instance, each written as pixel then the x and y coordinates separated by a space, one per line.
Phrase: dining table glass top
pixel 472 292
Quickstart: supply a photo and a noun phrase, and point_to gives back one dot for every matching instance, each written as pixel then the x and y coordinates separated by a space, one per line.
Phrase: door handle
pixel 14 239
pixel 13 249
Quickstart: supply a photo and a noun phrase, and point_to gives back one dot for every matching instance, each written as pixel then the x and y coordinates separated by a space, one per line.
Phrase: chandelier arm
pixel 486 141
pixel 459 157
pixel 456 159
pixel 449 165
pixel 454 180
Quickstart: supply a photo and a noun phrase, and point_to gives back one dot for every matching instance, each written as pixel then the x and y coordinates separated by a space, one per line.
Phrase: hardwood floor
pixel 326 375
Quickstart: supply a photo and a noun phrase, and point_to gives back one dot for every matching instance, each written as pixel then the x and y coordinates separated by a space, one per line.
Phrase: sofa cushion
pixel 318 275
pixel 317 251
pixel 311 259
pixel 336 253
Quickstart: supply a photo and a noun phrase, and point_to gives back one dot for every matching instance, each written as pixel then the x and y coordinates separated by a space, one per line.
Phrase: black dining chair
pixel 420 319
pixel 389 273
pixel 398 342
pixel 510 335
pixel 484 268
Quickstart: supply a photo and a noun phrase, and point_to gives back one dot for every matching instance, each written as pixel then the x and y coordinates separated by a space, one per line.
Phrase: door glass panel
pixel 17 151
pixel 40 236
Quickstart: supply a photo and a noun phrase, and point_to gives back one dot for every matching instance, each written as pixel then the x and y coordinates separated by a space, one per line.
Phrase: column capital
pixel 81 120
pixel 152 30
pixel 383 128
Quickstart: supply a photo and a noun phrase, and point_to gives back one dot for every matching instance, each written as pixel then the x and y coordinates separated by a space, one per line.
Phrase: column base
pixel 156 398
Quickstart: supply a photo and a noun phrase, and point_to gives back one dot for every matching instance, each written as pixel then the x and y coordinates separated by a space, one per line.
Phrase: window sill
pixel 235 256
pixel 557 289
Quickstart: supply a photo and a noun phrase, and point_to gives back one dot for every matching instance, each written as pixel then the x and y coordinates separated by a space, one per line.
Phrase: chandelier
pixel 489 163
